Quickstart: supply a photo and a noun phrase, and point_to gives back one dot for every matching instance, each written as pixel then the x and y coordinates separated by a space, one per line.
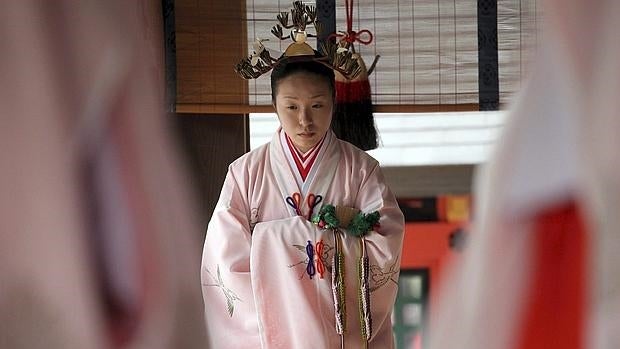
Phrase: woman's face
pixel 304 105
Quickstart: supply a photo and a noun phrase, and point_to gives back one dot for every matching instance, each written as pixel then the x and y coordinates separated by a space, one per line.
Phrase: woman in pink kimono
pixel 303 247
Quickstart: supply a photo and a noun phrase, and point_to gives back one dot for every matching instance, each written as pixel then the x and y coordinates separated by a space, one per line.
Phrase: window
pixel 418 139
pixel 411 308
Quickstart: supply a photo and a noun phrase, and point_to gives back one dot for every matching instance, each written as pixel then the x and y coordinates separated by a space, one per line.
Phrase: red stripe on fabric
pixel 313 152
pixel 303 157
pixel 304 170
pixel 295 158
pixel 555 312
pixel 296 151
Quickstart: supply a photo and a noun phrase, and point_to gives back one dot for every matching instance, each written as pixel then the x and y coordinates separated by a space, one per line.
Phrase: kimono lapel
pixel 284 175
pixel 322 174
pixel 301 164
pixel 304 199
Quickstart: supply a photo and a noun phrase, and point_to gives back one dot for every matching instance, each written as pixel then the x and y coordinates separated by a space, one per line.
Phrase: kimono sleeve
pixel 384 248
pixel 225 273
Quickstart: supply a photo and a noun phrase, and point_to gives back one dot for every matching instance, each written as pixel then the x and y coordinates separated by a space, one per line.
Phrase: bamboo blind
pixel 210 37
pixel 428 48
pixel 518 27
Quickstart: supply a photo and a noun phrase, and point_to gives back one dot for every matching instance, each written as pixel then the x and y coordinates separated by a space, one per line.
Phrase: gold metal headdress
pixel 261 61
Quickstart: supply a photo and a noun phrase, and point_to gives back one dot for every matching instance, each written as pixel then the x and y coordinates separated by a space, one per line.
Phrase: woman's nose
pixel 305 118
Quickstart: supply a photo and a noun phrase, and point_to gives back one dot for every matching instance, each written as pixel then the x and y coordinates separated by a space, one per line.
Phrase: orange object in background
pixel 454 208
pixel 428 238
pixel 434 237
pixel 427 246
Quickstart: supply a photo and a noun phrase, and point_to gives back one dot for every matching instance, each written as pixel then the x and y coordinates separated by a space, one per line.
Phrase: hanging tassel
pixel 353 119
pixel 364 295
pixel 338 286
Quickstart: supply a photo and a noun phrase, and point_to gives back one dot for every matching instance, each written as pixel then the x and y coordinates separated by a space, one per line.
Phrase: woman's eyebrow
pixel 315 96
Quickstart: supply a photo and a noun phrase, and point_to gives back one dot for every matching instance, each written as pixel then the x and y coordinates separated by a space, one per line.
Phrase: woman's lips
pixel 306 134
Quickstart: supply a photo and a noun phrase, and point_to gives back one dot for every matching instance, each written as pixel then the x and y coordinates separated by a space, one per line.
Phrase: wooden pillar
pixel 488 66
pixel 210 40
pixel 211 143
pixel 326 15
pixel 170 62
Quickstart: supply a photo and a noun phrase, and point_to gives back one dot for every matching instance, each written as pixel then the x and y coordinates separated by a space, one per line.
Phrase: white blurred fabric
pixel 560 142
pixel 81 92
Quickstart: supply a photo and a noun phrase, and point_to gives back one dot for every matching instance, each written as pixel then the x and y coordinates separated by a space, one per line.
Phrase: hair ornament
pixel 297 20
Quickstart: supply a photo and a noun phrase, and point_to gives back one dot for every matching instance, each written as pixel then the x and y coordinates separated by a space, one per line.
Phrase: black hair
pixel 290 66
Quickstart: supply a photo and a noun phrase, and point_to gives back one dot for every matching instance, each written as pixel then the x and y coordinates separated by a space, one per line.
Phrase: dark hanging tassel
pixel 353 119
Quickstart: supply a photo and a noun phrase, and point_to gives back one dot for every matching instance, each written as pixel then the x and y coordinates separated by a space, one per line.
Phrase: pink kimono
pixel 266 269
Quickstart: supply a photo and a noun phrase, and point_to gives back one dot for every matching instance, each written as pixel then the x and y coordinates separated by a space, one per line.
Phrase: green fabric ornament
pixel 360 225
pixel 363 223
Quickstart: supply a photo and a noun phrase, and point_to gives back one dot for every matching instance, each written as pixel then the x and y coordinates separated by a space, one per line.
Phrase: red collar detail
pixel 304 162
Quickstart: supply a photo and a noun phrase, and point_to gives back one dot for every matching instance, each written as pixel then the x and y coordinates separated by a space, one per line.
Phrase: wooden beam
pixel 423 108
pixel 429 181
pixel 202 108
pixel 198 108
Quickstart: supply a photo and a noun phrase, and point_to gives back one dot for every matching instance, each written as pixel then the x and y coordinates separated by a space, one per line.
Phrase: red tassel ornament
pixel 353 119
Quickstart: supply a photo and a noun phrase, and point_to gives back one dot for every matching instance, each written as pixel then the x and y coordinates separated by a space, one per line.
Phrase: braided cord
pixel 364 295
pixel 338 285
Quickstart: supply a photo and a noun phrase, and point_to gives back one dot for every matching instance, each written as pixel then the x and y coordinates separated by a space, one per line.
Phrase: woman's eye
pixel 291 107
pixel 317 106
